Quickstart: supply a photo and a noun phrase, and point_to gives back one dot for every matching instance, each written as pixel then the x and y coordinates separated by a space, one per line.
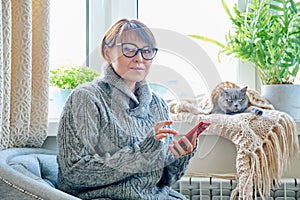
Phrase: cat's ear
pixel 222 91
pixel 244 89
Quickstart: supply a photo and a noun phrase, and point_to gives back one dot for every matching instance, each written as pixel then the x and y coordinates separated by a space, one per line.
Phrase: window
pixel 76 33
pixel 193 17
pixel 67 40
pixel 67 32
pixel 76 28
pixel 102 13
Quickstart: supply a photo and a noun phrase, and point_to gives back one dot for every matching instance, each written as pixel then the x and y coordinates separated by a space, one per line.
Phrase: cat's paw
pixel 258 112
pixel 255 110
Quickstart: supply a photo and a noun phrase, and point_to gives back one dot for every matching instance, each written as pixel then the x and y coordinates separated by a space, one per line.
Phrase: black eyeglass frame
pixel 137 50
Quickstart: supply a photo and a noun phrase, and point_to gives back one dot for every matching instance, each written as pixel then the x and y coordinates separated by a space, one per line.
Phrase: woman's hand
pixel 178 150
pixel 163 132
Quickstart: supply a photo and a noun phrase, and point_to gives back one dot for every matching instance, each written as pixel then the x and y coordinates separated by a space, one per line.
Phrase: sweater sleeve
pixel 174 167
pixel 77 140
pixel 175 170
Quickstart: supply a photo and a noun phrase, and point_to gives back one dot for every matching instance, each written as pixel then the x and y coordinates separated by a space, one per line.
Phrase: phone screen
pixel 198 129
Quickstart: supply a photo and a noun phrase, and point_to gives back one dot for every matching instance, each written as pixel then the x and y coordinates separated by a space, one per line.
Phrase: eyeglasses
pixel 130 50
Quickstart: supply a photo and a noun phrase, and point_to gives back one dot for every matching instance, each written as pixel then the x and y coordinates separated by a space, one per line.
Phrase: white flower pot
pixel 284 97
pixel 58 98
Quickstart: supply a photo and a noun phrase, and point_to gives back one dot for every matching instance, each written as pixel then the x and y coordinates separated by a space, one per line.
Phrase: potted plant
pixel 267 34
pixel 64 79
pixel 69 77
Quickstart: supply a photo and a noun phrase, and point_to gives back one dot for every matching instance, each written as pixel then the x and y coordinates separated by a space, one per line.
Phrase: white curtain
pixel 24 66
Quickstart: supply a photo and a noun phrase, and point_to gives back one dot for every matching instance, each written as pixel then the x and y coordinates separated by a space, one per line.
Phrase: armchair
pixel 30 173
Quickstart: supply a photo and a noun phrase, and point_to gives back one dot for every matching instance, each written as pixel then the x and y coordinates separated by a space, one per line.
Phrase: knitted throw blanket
pixel 265 144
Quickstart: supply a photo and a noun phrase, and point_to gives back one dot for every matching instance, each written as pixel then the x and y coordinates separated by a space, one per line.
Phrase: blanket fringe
pixel 265 147
pixel 263 162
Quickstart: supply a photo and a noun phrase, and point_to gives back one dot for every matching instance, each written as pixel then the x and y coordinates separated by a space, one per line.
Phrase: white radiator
pixel 215 189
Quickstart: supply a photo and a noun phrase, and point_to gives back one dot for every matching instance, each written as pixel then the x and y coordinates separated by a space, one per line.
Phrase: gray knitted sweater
pixel 107 147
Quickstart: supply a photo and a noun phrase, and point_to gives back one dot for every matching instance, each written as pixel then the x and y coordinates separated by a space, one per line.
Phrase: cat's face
pixel 233 100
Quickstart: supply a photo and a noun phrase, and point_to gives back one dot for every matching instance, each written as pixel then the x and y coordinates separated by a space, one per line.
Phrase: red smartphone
pixel 199 128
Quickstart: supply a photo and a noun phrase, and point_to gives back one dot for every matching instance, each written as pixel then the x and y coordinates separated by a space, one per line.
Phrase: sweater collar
pixel 143 91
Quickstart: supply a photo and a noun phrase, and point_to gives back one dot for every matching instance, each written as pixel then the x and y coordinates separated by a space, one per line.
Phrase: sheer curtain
pixel 24 66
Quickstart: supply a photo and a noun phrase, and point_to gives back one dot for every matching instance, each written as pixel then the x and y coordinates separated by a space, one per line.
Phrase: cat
pixel 229 98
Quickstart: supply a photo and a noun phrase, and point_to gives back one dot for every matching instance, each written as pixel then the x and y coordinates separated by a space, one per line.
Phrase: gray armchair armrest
pixel 30 173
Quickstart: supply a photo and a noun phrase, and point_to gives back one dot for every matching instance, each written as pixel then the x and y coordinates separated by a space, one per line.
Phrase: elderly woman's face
pixel 133 69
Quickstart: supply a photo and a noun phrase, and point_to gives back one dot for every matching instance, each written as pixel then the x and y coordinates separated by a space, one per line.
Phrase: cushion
pixel 40 167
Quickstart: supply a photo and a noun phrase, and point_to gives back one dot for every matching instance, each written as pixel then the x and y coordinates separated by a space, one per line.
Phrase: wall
pixel 220 159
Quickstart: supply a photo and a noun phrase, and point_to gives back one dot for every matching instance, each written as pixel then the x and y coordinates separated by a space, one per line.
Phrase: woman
pixel 114 138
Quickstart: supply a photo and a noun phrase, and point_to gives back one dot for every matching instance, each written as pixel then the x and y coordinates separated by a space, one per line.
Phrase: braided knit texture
pixel 265 144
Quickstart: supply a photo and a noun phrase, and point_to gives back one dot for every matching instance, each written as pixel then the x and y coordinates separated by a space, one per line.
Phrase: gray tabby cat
pixel 231 99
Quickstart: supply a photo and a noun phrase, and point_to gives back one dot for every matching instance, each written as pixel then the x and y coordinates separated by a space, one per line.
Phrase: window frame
pixel 105 12
pixel 96 13
pixel 246 72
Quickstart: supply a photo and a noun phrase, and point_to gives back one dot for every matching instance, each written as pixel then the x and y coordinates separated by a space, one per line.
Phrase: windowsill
pixel 52 127
pixel 182 127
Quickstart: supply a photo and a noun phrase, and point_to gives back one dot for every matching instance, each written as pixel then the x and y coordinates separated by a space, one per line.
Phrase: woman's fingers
pixel 178 150
pixel 188 146
pixel 175 152
pixel 160 124
pixel 160 136
pixel 163 132
pixel 194 140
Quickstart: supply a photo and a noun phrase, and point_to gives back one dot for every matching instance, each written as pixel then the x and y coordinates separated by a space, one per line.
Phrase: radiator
pixel 215 189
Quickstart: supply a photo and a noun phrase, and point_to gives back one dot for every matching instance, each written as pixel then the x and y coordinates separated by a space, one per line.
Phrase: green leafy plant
pixel 69 77
pixel 266 34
